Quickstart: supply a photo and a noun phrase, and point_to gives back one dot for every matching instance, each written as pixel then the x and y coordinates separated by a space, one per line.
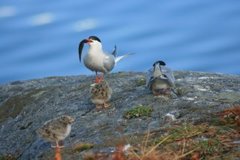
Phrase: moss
pixel 140 82
pixel 227 97
pixel 211 146
pixel 7 157
pixel 138 111
pixel 14 105
pixel 82 147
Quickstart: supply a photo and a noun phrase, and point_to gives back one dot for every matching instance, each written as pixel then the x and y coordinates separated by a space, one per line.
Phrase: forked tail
pixel 119 58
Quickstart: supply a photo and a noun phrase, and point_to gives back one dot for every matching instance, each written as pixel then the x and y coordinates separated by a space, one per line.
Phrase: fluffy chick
pixel 101 94
pixel 56 130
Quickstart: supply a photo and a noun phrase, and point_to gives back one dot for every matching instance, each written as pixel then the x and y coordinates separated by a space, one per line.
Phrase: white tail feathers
pixel 119 58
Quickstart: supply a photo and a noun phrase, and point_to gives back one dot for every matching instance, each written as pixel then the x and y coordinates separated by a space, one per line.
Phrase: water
pixel 40 38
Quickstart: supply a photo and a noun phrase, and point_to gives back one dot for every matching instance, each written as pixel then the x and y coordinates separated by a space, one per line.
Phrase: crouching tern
pixel 160 79
pixel 96 59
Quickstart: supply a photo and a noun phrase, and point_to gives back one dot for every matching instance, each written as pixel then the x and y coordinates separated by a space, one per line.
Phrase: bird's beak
pixel 88 41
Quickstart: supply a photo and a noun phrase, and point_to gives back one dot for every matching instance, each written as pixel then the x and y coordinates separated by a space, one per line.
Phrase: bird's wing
pixel 168 73
pixel 56 127
pixel 108 63
pixel 149 77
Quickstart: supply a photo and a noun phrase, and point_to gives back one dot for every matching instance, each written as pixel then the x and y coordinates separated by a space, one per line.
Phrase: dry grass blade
pixel 154 147
pixel 185 154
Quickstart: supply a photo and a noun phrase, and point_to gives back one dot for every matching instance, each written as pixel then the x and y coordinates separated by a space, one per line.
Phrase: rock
pixel 26 105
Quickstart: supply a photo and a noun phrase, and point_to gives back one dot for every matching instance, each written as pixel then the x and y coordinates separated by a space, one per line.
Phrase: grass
pixel 230 116
pixel 138 111
pixel 82 147
pixel 186 141
pixel 7 157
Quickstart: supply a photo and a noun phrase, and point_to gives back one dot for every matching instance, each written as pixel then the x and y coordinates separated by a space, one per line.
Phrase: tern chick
pixel 101 94
pixel 160 79
pixel 96 59
pixel 56 130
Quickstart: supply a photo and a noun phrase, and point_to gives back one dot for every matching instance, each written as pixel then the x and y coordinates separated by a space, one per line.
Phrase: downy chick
pixel 101 94
pixel 56 130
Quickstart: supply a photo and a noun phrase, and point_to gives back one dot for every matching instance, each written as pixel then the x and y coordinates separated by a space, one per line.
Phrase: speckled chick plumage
pixel 56 129
pixel 101 94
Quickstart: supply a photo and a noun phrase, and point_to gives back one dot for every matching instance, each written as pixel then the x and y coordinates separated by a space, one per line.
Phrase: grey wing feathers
pixel 165 71
pixel 149 77
pixel 53 127
pixel 169 74
pixel 108 63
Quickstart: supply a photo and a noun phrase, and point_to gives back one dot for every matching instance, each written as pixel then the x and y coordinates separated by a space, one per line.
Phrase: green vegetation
pixel 14 105
pixel 7 157
pixel 82 147
pixel 138 111
pixel 140 81
pixel 185 141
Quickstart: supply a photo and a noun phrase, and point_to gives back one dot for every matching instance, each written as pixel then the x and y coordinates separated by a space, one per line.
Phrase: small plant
pixel 7 157
pixel 82 147
pixel 138 111
pixel 140 81
pixel 184 132
pixel 211 146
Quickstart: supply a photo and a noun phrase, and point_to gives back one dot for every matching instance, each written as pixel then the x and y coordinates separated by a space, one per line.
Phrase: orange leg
pixel 99 78
pixel 58 154
pixel 58 151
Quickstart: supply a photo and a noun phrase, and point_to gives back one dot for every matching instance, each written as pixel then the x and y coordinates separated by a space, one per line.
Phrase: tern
pixel 160 79
pixel 96 59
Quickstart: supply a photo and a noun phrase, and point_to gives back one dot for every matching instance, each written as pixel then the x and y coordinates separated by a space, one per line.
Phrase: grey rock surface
pixel 26 105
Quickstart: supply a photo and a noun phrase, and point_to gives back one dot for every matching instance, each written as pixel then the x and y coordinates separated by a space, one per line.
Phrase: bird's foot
pixel 106 105
pixel 99 107
pixel 57 146
pixel 99 79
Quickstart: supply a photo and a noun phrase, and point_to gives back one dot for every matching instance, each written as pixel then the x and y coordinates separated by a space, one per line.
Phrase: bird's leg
pixel 57 145
pixel 58 151
pixel 97 80
pixel 58 154
pixel 106 104
pixel 101 77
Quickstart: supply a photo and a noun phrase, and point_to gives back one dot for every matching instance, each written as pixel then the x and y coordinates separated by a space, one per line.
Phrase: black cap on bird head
pixel 160 63
pixel 94 38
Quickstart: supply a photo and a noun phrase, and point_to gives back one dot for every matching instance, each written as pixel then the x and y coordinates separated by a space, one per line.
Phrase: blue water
pixel 40 38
